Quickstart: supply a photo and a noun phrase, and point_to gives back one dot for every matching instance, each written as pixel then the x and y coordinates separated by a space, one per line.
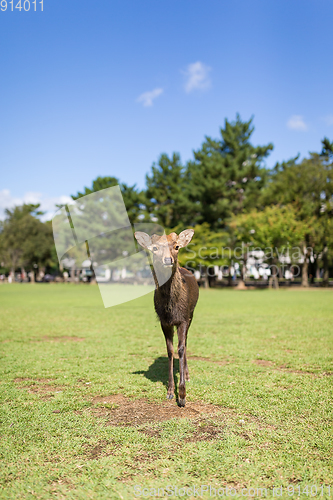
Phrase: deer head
pixel 164 249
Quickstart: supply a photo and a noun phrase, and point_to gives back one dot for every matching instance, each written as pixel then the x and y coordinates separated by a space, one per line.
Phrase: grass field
pixel 83 409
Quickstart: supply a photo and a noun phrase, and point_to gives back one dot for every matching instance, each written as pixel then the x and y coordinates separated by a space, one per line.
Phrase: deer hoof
pixel 170 396
pixel 181 402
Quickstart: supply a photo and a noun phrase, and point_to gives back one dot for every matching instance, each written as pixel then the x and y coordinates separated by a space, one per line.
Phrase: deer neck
pixel 172 286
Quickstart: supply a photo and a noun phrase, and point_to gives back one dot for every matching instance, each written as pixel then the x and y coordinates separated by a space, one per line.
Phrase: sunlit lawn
pixel 262 358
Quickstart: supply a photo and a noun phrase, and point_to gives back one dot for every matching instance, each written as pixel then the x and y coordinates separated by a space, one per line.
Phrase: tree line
pixel 226 192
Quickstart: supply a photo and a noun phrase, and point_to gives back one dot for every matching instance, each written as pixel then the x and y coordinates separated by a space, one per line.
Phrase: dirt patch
pixel 208 423
pixel 40 386
pixel 214 426
pixel 263 362
pixel 298 372
pixel 284 368
pixel 221 362
pixel 33 381
pixel 94 452
pixel 209 420
pixel 151 432
pixel 197 358
pixel 61 481
pixel 205 431
pixel 140 411
pixel 46 391
pixel 142 462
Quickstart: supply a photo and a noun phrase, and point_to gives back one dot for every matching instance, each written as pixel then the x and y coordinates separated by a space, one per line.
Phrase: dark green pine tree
pixel 167 192
pixel 327 149
pixel 133 198
pixel 226 175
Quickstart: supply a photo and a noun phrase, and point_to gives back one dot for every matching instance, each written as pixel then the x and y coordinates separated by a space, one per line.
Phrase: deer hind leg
pixel 168 334
pixel 182 330
pixel 187 373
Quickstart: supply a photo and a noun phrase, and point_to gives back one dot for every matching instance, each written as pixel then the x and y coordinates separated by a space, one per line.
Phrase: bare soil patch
pixel 61 481
pixel 209 420
pixel 140 411
pixel 47 391
pixel 33 381
pixel 41 386
pixel 270 364
pixel 94 452
pixel 205 431
pixel 221 362
pixel 263 362
pixel 151 432
pixel 299 372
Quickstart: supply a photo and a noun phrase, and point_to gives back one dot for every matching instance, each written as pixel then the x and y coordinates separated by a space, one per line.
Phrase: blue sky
pixel 103 87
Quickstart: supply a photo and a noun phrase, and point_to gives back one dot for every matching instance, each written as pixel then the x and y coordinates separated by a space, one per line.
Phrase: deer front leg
pixel 168 334
pixel 182 329
pixel 187 373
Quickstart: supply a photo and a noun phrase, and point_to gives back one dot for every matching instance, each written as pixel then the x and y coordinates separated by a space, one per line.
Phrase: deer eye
pixel 177 247
pixel 155 249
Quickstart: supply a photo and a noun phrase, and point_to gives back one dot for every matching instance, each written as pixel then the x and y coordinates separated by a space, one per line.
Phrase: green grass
pixel 268 370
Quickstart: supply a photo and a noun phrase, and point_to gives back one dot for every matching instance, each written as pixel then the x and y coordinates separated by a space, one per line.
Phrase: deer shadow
pixel 158 371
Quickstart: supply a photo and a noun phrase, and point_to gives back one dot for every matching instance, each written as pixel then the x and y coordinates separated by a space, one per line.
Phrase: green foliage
pixel 307 185
pixel 275 228
pixel 24 239
pixel 227 175
pixel 168 192
pixel 327 149
pixel 205 249
pixel 133 198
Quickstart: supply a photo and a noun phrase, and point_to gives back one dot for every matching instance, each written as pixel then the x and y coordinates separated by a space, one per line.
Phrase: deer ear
pixel 185 237
pixel 143 239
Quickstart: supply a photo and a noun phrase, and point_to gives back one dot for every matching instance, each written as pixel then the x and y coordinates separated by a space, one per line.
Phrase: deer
pixel 176 295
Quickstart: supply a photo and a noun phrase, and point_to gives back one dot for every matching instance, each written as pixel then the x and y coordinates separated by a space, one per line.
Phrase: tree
pixel 167 192
pixel 272 230
pixel 226 175
pixel 133 198
pixel 327 149
pixel 307 185
pixel 25 241
pixel 204 251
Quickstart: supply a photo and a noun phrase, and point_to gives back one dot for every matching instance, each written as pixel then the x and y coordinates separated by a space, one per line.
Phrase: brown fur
pixel 174 300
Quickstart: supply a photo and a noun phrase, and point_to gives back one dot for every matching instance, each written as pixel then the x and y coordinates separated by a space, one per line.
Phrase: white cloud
pixel 197 77
pixel 48 205
pixel 329 120
pixel 147 98
pixel 296 122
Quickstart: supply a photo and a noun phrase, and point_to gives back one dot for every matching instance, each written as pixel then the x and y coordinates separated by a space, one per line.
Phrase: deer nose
pixel 167 260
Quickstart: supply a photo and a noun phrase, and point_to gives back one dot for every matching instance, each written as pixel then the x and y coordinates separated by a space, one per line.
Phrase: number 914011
pixel 21 5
